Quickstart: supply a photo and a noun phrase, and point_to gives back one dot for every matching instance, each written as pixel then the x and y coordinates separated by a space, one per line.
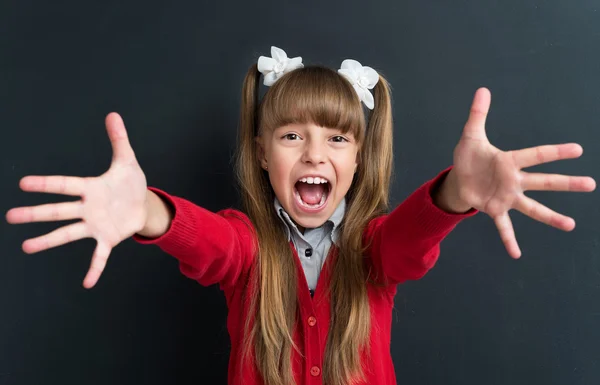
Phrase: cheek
pixel 346 177
pixel 280 167
pixel 345 164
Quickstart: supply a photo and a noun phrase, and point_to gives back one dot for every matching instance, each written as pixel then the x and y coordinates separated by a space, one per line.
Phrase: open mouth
pixel 312 193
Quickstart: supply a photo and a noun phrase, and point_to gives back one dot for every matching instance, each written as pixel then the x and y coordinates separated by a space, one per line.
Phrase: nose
pixel 314 153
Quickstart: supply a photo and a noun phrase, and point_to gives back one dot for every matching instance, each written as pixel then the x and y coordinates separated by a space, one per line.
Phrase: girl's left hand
pixel 491 180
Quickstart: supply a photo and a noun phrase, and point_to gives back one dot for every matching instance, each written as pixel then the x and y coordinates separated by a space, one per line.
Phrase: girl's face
pixel 310 168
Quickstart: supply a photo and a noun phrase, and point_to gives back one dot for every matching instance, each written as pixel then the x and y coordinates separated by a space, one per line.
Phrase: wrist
pixel 158 216
pixel 447 195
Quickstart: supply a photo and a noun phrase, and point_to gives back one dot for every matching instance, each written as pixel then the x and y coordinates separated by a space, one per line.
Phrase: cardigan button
pixel 315 371
pixel 312 321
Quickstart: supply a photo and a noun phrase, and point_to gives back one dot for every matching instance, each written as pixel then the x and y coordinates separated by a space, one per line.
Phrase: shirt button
pixel 315 371
pixel 312 321
pixel 308 252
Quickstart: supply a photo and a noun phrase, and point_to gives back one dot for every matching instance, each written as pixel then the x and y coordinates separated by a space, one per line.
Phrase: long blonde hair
pixel 322 96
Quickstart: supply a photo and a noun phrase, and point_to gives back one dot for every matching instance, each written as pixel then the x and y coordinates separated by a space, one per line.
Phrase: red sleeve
pixel 210 247
pixel 405 244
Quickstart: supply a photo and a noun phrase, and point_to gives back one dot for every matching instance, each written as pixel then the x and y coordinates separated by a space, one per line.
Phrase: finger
pixel 54 184
pixel 543 214
pixel 45 213
pixel 99 259
pixel 507 234
pixel 534 156
pixel 122 151
pixel 556 182
pixel 475 126
pixel 60 236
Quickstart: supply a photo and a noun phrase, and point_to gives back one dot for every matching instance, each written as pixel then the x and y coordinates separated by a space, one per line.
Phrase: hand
pixel 492 181
pixel 112 205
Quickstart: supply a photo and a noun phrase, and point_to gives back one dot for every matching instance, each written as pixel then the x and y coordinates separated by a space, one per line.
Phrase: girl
pixel 310 269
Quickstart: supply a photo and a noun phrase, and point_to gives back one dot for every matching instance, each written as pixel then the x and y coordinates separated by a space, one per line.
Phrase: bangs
pixel 315 95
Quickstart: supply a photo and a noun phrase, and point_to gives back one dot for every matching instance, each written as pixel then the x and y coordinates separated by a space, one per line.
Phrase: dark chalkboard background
pixel 174 71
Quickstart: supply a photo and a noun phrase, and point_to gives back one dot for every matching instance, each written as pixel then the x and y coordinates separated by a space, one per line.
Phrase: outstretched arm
pixel 405 244
pixel 118 204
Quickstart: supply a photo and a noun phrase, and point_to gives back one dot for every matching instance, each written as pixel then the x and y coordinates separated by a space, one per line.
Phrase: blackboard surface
pixel 174 71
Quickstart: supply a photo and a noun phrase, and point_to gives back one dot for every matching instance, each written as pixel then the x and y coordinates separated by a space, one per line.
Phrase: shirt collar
pixel 336 219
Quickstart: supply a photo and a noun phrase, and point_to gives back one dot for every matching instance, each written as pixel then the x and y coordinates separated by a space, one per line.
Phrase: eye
pixel 291 136
pixel 339 139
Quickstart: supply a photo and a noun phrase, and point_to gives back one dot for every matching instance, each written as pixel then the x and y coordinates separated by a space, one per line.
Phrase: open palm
pixel 111 208
pixel 492 181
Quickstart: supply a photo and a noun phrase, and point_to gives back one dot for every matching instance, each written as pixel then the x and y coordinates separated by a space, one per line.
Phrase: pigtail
pixel 249 104
pixel 379 141
pixel 247 131
pixel 247 172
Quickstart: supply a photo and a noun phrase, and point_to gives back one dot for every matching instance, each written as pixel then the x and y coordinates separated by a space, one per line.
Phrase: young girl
pixel 310 270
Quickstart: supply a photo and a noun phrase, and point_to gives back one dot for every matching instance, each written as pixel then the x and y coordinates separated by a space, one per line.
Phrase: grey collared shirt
pixel 314 244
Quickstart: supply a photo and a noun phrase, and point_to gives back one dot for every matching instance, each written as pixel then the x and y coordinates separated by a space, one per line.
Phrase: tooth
pixel 317 180
pixel 303 180
pixel 309 180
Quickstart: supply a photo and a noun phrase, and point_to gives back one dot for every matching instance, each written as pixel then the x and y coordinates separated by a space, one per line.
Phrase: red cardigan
pixel 214 248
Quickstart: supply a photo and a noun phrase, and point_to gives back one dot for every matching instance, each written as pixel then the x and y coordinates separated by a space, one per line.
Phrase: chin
pixel 310 223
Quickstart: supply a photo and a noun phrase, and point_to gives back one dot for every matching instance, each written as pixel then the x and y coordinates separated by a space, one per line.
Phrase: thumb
pixel 122 151
pixel 475 126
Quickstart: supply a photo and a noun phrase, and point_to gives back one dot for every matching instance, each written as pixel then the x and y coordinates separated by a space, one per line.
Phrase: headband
pixel 361 77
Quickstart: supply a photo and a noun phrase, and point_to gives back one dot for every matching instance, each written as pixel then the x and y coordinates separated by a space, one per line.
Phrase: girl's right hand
pixel 112 206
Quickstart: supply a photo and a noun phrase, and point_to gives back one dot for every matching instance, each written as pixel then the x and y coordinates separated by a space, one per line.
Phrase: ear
pixel 357 161
pixel 260 151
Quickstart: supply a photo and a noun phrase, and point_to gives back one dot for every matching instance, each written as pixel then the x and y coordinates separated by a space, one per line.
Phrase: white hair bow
pixel 362 78
pixel 274 67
